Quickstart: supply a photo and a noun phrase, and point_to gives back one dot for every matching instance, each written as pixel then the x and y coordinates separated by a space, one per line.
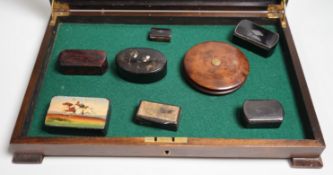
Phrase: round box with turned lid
pixel 215 67
pixel 141 65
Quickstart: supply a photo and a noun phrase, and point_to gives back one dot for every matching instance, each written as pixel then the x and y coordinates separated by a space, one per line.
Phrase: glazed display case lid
pixel 170 4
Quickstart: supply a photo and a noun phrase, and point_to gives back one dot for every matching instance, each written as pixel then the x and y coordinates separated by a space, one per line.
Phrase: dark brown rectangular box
pixel 82 62
pixel 303 153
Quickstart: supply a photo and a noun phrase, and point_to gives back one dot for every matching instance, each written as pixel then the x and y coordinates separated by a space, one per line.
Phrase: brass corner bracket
pixel 275 11
pixel 58 9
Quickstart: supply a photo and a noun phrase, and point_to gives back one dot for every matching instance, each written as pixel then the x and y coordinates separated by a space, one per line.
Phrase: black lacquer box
pixel 256 38
pixel 209 125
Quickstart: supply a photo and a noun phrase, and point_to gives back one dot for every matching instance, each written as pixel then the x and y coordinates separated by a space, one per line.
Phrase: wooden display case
pixel 121 24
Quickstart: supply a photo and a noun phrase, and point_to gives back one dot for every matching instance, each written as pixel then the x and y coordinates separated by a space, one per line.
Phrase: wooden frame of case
pixel 303 153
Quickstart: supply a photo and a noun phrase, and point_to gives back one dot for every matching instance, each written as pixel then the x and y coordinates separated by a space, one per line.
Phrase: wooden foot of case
pixel 28 158
pixel 306 162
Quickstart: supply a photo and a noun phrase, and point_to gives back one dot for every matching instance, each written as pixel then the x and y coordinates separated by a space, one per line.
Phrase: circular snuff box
pixel 216 67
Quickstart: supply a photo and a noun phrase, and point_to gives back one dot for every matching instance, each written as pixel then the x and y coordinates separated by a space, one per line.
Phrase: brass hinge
pixel 58 9
pixel 275 11
pixel 166 139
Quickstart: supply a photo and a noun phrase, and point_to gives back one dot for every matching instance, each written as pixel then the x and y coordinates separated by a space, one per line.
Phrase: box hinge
pixel 166 139
pixel 58 9
pixel 275 11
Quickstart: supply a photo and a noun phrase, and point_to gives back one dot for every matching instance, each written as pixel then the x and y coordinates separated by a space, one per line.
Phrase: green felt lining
pixel 201 116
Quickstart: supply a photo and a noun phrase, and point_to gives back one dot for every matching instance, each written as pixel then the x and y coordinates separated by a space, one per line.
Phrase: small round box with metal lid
pixel 141 65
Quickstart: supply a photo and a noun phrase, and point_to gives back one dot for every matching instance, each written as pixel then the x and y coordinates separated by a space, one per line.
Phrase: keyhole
pixel 166 152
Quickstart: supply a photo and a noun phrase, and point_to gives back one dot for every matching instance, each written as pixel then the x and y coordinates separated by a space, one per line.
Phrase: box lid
pixel 272 9
pixel 170 4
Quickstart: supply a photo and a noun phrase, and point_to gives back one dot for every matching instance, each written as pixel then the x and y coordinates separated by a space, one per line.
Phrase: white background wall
pixel 22 25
